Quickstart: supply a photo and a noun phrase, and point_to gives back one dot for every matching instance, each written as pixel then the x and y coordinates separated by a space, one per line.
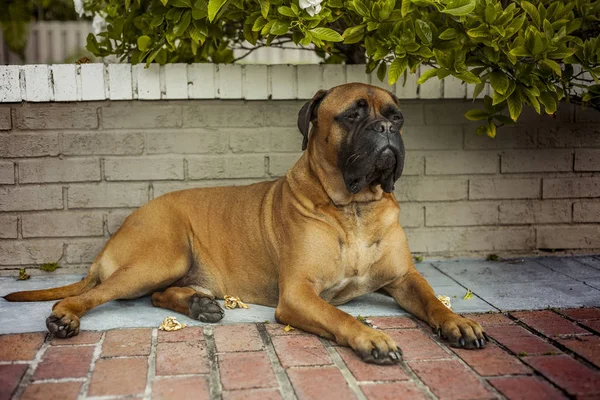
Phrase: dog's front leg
pixel 412 292
pixel 300 306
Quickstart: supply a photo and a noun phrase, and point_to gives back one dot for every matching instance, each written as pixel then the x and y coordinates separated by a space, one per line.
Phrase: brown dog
pixel 322 235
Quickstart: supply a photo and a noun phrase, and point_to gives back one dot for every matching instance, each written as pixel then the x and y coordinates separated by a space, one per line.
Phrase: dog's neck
pixel 321 172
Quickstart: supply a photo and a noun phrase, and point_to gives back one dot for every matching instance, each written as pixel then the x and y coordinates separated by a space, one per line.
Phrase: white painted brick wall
pixel 70 173
pixel 62 224
pixel 46 170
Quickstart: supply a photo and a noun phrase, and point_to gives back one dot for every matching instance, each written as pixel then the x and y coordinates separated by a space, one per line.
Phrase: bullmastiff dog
pixel 322 235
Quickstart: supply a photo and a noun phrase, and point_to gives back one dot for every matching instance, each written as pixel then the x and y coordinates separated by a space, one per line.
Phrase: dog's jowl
pixel 322 235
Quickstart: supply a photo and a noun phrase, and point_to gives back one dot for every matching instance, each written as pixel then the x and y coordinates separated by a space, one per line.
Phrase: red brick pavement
pixel 549 354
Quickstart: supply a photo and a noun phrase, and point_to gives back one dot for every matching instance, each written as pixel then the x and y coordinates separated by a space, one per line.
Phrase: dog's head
pixel 358 128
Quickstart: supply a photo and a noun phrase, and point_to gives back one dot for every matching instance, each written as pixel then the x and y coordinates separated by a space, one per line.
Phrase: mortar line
pixel 83 393
pixel 554 342
pixel 434 264
pixel 341 366
pixel 151 365
pixel 285 386
pixel 214 384
pixel 26 379
pixel 535 372
pixel 568 276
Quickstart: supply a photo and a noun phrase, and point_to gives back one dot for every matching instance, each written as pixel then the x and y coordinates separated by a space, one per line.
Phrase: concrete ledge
pixel 90 82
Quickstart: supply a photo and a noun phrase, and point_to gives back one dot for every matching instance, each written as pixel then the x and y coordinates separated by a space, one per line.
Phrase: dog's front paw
pixel 462 332
pixel 376 347
pixel 205 309
pixel 62 325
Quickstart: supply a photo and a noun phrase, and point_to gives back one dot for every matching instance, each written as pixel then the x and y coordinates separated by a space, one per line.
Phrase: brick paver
pixel 43 391
pixel 246 371
pixel 393 391
pixel 526 388
pixel 22 346
pixel 523 361
pixel 569 374
pixel 549 323
pixel 520 341
pixel 65 362
pixel 449 379
pixel 181 388
pixel 127 342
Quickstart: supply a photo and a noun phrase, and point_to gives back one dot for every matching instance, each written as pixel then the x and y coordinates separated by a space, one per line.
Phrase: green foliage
pixel 50 267
pixel 526 50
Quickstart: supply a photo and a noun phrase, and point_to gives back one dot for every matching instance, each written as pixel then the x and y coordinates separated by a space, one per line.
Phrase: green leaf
pixel 280 27
pixel 183 24
pixel 515 105
pixel 354 34
pixel 480 31
pixel 467 76
pixel 92 44
pixel 180 3
pixel 267 28
pixel 476 115
pixel 143 42
pixel 264 7
pixel 213 8
pixel 478 89
pixel 259 23
pixel 460 7
pixel 405 7
pixel 499 81
pixel 361 8
pixel 553 65
pixel 449 34
pixel 157 20
pixel 520 51
pixel 288 12
pixel 499 98
pixel 491 129
pixel 533 101
pixel 423 31
pixel 381 71
pixel 549 102
pixel 326 34
pixel 397 68
pixel 532 11
pixel 49 267
pixel 425 76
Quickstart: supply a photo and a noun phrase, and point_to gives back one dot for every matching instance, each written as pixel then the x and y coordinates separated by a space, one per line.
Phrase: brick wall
pixel 71 172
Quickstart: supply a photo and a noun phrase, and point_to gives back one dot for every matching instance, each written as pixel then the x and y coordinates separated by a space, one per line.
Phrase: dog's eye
pixel 396 118
pixel 353 116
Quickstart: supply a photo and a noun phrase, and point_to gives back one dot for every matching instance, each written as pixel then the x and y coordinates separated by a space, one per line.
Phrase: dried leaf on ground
pixel 232 302
pixel 445 301
pixel 288 328
pixel 171 324
pixel 23 275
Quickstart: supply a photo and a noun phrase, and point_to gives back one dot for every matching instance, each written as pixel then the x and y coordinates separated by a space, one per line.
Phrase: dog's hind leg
pixel 188 301
pixel 127 282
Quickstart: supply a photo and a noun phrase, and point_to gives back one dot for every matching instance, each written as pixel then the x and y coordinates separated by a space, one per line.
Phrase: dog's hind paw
pixel 62 326
pixel 205 309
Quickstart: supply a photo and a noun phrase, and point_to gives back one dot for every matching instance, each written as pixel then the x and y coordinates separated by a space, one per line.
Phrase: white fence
pixel 56 42
pixel 50 42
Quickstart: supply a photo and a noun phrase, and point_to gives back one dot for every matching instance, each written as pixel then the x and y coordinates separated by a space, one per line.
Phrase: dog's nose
pixel 383 126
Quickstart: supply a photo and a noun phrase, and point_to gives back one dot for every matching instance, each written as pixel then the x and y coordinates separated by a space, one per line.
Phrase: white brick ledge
pixel 89 82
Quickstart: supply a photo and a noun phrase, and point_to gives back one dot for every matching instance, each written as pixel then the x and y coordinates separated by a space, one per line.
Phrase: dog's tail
pixel 75 289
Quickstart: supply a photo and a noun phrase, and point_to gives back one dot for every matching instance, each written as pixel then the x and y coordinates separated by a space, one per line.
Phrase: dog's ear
pixel 307 114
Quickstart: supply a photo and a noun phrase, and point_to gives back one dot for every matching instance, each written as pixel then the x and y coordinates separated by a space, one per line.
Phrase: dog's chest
pixel 357 265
